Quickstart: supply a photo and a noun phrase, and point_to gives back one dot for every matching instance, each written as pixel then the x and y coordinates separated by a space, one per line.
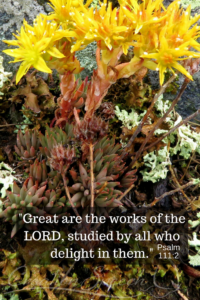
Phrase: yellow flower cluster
pixel 158 35
pixel 36 45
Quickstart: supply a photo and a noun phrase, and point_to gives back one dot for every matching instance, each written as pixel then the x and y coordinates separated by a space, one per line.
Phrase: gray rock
pixel 12 14
pixel 87 58
pixel 190 100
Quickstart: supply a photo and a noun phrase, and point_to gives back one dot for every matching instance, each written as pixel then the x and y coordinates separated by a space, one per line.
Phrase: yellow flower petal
pixel 41 66
pixel 150 64
pixel 162 70
pixel 15 53
pixel 23 69
pixel 11 42
pixel 181 69
pixel 55 52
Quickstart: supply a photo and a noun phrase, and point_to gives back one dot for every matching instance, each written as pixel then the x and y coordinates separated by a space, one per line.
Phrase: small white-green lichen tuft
pixel 194 260
pixel 6 178
pixel 195 223
pixel 129 120
pixel 156 165
pixel 3 75
pixel 186 140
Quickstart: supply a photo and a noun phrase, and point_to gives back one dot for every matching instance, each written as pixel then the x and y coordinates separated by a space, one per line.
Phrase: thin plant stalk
pixel 181 180
pixel 177 183
pixel 161 120
pixel 156 200
pixel 126 192
pixel 144 119
pixel 173 129
pixel 68 195
pixel 92 177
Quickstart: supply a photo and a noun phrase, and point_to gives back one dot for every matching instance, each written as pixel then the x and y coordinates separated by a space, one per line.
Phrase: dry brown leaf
pixel 195 204
pixel 38 279
pixel 34 250
pixel 35 93
pixel 10 265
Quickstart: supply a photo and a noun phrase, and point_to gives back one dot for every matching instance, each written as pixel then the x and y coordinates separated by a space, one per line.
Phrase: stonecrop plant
pixel 86 168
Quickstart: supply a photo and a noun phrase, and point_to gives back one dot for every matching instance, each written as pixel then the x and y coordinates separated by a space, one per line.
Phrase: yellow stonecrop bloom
pixel 169 41
pixel 167 58
pixel 144 14
pixel 63 10
pixel 28 52
pixel 36 44
pixel 180 27
pixel 105 25
pixel 99 25
pixel 160 36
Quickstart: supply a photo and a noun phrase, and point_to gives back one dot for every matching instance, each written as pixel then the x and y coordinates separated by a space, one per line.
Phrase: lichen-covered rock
pixel 3 75
pixel 12 14
pixel 87 58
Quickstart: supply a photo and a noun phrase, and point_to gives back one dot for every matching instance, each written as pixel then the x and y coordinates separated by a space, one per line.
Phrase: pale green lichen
pixel 159 132
pixel 3 75
pixel 183 141
pixel 95 3
pixel 196 222
pixel 193 3
pixel 156 165
pixel 11 297
pixel 162 107
pixel 129 120
pixel 194 260
pixel 6 178
pixel 186 140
